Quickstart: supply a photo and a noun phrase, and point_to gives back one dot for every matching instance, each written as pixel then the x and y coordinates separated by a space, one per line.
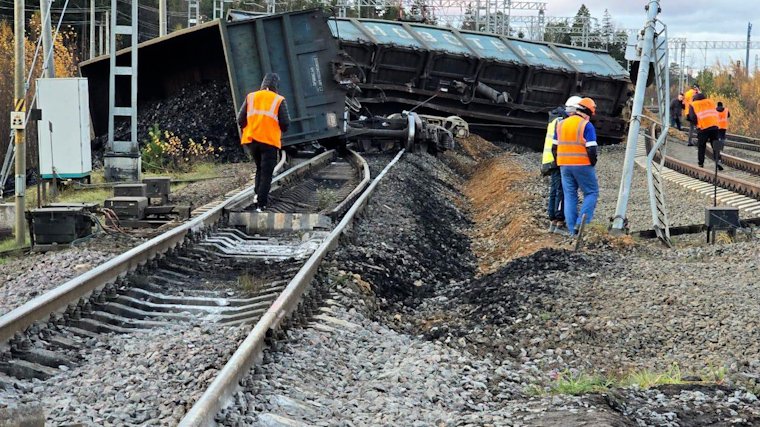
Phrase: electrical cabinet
pixel 64 131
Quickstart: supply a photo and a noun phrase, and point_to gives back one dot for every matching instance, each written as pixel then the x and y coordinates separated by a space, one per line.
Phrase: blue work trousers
pixel 556 198
pixel 573 178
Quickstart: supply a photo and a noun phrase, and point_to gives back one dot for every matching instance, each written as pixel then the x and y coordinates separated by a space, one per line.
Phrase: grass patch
pixel 719 373
pixel 580 383
pixel 9 249
pixel 10 244
pixel 200 171
pixel 326 198
pixel 649 379
pixel 98 195
pixel 69 195
pixel 250 284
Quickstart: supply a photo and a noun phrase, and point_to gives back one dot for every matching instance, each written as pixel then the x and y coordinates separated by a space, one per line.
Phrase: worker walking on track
pixel 575 150
pixel 263 117
pixel 723 116
pixel 687 99
pixel 555 208
pixel 704 113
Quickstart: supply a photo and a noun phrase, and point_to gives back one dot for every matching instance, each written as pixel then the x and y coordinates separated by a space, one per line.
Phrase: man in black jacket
pixel 676 108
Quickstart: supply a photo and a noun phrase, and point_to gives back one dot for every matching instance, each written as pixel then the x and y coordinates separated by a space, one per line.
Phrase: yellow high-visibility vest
pixel 548 158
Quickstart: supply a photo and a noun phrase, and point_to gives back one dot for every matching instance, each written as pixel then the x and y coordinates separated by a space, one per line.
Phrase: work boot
pixel 720 168
pixel 260 208
pixel 552 226
pixel 563 231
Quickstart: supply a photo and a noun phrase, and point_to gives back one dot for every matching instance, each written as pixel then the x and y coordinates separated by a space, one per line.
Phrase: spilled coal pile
pixel 198 111
pixel 414 242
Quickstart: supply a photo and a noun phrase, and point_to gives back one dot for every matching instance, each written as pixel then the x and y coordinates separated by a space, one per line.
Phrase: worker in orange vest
pixel 575 150
pixel 704 113
pixel 723 116
pixel 263 117
pixel 687 99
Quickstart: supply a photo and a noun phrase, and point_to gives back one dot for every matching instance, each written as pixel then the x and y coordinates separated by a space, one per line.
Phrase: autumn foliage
pixel 65 66
pixel 738 92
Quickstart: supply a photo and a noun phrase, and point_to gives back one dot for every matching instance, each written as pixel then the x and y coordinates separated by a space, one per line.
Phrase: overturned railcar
pixel 497 83
pixel 333 67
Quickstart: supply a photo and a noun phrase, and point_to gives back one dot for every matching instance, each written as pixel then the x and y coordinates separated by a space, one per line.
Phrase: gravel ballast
pixel 422 311
pixel 140 379
pixel 26 277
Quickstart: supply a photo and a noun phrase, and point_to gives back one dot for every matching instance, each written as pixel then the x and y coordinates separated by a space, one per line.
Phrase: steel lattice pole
pixel 618 221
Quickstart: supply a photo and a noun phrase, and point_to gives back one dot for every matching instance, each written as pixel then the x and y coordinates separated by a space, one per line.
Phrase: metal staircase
pixel 658 136
pixel 122 158
pixel 193 13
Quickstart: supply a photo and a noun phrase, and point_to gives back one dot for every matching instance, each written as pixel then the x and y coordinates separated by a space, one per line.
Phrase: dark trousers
pixel 722 134
pixel 702 137
pixel 265 157
pixel 556 197
pixel 675 120
pixel 691 132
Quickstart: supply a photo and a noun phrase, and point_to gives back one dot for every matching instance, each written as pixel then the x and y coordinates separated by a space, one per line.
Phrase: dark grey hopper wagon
pixel 500 85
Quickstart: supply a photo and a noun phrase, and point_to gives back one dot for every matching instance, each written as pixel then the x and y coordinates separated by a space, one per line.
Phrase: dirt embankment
pixel 506 217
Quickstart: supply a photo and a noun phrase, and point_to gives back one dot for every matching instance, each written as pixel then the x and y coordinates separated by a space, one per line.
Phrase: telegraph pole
pixel 749 34
pixel 19 91
pixel 161 18
pixel 92 29
pixel 101 27
pixel 47 39
pixel 108 32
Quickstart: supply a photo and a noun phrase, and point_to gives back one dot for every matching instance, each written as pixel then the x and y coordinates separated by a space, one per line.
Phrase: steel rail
pixel 359 163
pixel 737 162
pixel 743 145
pixel 59 299
pixel 288 177
pixel 738 141
pixel 249 352
pixel 736 185
pixel 742 138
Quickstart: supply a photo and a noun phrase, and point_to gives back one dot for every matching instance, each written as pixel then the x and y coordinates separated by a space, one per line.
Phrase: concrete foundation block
pixel 7 218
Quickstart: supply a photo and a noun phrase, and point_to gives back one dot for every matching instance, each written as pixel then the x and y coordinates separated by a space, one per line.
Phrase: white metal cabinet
pixel 66 109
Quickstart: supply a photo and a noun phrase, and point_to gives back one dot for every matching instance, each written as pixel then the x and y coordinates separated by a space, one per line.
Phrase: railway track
pixel 205 271
pixel 747 185
pixel 738 141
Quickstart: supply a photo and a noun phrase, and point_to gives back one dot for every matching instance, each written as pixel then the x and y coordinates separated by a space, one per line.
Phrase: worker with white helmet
pixel 555 208
pixel 574 147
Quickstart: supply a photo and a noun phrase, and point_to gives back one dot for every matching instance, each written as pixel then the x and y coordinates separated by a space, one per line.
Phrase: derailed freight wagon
pixel 496 87
pixel 487 79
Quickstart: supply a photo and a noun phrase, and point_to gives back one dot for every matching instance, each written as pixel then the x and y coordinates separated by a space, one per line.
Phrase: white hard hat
pixel 573 101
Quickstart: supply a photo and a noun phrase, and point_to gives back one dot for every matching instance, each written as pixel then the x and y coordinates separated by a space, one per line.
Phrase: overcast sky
pixel 696 20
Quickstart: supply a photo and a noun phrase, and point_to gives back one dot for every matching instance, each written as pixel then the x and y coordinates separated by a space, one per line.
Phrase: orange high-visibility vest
pixel 723 119
pixel 263 121
pixel 707 115
pixel 571 145
pixel 687 100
